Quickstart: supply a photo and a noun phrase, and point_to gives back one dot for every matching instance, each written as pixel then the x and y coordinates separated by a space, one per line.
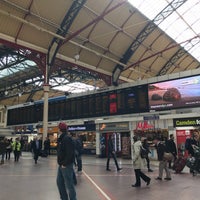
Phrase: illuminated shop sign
pixel 187 122
pixel 114 126
pixel 86 127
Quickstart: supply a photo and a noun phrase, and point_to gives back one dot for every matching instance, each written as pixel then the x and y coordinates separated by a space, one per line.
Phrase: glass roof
pixel 182 25
pixel 65 86
pixel 14 68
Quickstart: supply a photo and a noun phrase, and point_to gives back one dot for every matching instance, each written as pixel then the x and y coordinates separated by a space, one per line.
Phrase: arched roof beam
pixel 149 28
pixel 189 45
pixel 65 25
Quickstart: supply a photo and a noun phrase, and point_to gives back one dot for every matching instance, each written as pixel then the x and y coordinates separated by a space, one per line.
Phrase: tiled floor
pixel 28 181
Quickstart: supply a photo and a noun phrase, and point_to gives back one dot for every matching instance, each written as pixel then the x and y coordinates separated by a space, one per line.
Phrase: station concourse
pixel 26 180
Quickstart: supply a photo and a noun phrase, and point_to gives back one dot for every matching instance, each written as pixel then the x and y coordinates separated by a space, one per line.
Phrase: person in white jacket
pixel 138 163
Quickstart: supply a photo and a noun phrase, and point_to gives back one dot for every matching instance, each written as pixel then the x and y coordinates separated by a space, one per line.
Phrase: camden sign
pixel 187 122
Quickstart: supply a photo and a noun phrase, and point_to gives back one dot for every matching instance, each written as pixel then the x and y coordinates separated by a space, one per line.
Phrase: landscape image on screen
pixel 179 93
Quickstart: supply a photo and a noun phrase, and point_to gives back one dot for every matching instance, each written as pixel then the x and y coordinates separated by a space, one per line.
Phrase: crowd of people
pixel 7 146
pixel 69 154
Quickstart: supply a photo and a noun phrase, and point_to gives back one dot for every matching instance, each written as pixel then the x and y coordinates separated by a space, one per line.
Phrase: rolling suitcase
pixel 179 164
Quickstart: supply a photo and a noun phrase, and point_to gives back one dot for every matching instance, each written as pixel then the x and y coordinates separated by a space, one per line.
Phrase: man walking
pixel 65 159
pixel 138 163
pixel 161 149
pixel 111 152
pixel 171 147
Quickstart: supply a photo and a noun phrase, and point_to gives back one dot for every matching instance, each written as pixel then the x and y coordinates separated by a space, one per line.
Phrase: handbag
pixel 168 156
pixel 143 152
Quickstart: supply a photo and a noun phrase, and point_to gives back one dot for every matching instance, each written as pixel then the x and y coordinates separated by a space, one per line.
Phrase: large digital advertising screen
pixel 179 93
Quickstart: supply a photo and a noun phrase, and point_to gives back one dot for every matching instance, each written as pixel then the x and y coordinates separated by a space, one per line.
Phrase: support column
pixel 45 111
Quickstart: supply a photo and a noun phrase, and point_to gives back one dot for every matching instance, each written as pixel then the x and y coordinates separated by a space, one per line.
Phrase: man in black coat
pixel 36 147
pixel 171 147
pixel 111 153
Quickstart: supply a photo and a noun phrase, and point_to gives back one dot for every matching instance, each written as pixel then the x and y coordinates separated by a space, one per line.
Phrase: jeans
pixel 65 183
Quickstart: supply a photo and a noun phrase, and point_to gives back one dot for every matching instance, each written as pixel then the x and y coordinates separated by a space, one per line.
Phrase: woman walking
pixel 138 163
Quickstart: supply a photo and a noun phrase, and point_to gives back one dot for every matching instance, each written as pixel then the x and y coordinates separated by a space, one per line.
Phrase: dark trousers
pixel 115 159
pixel 79 162
pixel 8 152
pixel 139 174
pixel 16 155
pixel 36 154
pixel 148 162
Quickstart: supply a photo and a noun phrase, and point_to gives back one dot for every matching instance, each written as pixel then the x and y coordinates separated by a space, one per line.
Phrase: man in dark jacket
pixel 2 149
pixel 36 147
pixel 65 159
pixel 171 147
pixel 111 153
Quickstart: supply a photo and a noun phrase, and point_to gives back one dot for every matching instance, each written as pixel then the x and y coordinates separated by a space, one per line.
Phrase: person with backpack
pixel 138 163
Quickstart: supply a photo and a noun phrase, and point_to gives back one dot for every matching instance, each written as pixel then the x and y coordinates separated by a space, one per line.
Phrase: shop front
pixel 184 129
pixel 87 133
pixel 152 127
pixel 121 139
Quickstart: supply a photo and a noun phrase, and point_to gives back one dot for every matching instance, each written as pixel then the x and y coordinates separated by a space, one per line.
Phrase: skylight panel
pixel 182 25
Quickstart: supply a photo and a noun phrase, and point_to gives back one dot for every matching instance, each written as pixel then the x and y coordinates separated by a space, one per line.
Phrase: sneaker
pixel 108 169
pixel 158 178
pixel 119 169
pixel 168 179
pixel 135 185
pixel 150 170
pixel 148 182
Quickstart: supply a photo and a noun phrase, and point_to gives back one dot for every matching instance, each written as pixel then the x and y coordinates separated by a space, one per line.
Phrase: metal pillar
pixel 46 88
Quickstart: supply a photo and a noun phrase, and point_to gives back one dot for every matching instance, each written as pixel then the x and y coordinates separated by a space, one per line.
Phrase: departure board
pixel 105 104
pixel 85 100
pixel 79 107
pixel 98 104
pixel 67 114
pixel 113 103
pixel 142 98
pixel 91 105
pixel 131 100
pixel 73 108
pixel 121 101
